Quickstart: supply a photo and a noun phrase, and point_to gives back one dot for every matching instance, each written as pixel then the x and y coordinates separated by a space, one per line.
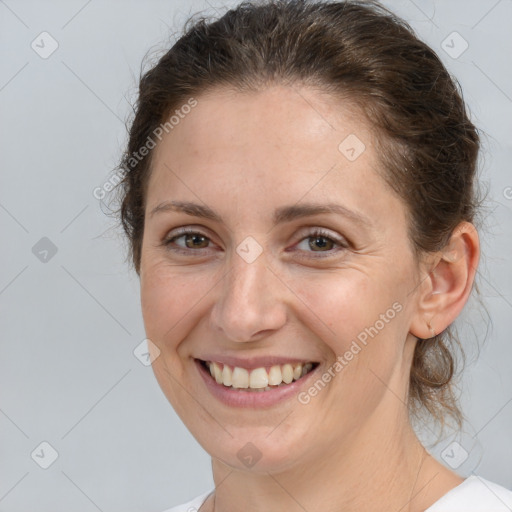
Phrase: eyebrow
pixel 281 215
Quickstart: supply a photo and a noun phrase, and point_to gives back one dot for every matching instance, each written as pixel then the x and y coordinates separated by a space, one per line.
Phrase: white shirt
pixel 475 494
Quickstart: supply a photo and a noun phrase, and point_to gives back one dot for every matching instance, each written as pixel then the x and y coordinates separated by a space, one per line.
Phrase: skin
pixel 351 447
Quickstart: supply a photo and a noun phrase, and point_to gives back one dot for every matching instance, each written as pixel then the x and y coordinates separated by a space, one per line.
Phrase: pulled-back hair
pixel 358 51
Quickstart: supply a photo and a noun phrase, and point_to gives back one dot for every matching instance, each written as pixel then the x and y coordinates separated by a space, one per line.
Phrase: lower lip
pixel 235 398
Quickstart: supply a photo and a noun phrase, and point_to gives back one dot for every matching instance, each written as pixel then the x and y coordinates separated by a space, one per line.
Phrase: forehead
pixel 281 144
pixel 279 117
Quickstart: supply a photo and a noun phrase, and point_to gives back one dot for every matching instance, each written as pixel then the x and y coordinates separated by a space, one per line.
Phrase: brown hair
pixel 352 49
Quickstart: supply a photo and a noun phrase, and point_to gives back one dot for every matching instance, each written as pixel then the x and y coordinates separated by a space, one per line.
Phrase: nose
pixel 251 303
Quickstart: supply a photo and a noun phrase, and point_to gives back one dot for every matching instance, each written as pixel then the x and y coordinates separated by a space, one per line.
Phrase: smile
pixel 257 379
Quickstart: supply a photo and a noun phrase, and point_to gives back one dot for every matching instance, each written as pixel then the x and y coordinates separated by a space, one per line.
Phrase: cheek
pixel 358 316
pixel 171 300
pixel 341 304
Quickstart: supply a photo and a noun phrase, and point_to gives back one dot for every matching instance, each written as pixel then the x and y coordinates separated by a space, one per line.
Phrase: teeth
pixel 227 375
pixel 217 373
pixel 274 376
pixel 287 372
pixel 239 378
pixel 258 379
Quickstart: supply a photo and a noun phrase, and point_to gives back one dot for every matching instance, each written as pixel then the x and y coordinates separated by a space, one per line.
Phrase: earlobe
pixel 433 333
pixel 447 286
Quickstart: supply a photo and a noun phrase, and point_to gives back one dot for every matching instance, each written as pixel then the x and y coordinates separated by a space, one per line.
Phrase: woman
pixel 300 203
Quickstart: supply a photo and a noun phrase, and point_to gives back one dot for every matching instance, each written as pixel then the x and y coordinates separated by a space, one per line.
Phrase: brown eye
pixel 187 242
pixel 322 243
pixel 319 243
pixel 195 240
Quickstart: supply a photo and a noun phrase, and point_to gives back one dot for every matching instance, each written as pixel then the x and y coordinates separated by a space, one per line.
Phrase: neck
pixel 382 466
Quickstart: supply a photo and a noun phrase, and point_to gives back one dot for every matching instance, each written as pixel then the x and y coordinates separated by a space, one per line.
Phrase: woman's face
pixel 257 286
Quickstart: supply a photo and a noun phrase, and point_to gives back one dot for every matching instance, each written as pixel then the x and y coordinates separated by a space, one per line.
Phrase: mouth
pixel 257 380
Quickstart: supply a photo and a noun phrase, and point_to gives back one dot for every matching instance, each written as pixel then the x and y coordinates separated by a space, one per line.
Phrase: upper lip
pixel 254 362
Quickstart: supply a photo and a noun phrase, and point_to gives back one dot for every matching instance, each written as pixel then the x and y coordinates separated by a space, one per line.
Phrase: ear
pixel 449 281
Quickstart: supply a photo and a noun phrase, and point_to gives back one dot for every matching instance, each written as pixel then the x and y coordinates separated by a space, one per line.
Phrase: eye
pixel 321 241
pixel 190 240
pixel 317 241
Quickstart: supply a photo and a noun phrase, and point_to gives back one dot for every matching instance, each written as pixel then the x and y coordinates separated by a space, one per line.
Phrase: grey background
pixel 69 325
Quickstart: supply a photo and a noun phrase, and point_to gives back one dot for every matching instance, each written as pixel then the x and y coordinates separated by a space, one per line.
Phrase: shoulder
pixel 475 494
pixel 192 505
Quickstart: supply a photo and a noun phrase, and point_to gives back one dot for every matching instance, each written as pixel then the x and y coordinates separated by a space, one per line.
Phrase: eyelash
pixel 316 232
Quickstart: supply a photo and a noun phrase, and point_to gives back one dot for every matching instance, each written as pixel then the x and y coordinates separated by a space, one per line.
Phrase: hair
pixel 356 50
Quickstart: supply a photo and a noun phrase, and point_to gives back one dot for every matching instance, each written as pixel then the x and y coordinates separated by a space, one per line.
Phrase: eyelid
pixel 319 231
